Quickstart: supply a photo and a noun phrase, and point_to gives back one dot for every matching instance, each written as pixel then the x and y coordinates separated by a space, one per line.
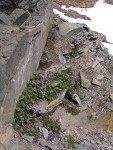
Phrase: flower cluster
pixel 42 79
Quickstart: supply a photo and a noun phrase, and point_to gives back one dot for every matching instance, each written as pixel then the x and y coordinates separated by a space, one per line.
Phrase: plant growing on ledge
pixel 40 89
pixel 77 45
pixel 71 142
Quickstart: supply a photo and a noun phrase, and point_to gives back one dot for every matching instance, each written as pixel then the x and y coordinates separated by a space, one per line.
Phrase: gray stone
pixel 76 98
pixel 98 60
pixel 18 17
pixel 102 47
pixel 87 143
pixel 96 82
pixel 99 69
pixel 47 144
pixel 82 148
pixel 45 133
pixel 84 81
pixel 100 77
pixel 91 37
pixel 33 4
pixel 28 138
pixel 110 57
pixel 62 58
pixel 111 96
pixel 2 147
pixel 68 29
pixel 43 143
pixel 50 146
pixel 4 19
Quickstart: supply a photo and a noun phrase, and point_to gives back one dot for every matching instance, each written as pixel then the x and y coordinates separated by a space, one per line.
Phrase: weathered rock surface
pixel 96 82
pixel 4 19
pixel 18 16
pixel 57 101
pixel 98 60
pixel 84 81
pixel 76 98
pixel 111 96
pixel 20 53
pixel 28 138
pixel 67 29
pixel 45 133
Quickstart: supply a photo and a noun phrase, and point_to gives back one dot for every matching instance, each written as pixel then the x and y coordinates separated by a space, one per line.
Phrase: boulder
pixel 68 29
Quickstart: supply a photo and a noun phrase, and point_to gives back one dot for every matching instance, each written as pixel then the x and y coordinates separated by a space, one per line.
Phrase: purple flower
pixel 27 108
pixel 73 72
pixel 53 139
pixel 50 132
pixel 18 109
pixel 30 126
pixel 34 108
pixel 56 33
pixel 40 111
pixel 22 119
pixel 38 139
pixel 43 78
pixel 77 42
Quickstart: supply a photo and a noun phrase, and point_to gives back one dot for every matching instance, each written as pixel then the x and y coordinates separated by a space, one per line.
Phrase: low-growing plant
pixel 39 89
pixel 71 142
pixel 72 110
pixel 52 125
pixel 51 37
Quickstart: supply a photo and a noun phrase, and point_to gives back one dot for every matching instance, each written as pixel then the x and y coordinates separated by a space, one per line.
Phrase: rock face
pixel 20 52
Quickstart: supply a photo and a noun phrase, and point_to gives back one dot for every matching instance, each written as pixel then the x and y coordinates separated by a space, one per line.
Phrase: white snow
pixel 101 20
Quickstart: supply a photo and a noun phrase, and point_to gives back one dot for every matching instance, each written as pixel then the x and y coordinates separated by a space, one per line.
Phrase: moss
pixel 71 142
pixel 72 110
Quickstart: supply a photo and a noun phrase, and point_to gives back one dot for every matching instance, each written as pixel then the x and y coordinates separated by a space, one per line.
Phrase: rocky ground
pixel 76 46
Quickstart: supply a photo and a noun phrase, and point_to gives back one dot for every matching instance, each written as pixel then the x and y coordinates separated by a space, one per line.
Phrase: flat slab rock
pixel 68 29
pixel 96 82
pixel 57 101
pixel 4 19
pixel 18 16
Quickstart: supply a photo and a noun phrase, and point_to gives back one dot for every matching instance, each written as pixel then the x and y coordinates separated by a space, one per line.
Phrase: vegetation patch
pixel 77 45
pixel 40 89
pixel 71 142
pixel 72 110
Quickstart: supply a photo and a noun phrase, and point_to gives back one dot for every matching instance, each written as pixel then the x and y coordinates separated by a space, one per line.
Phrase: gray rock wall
pixel 20 54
